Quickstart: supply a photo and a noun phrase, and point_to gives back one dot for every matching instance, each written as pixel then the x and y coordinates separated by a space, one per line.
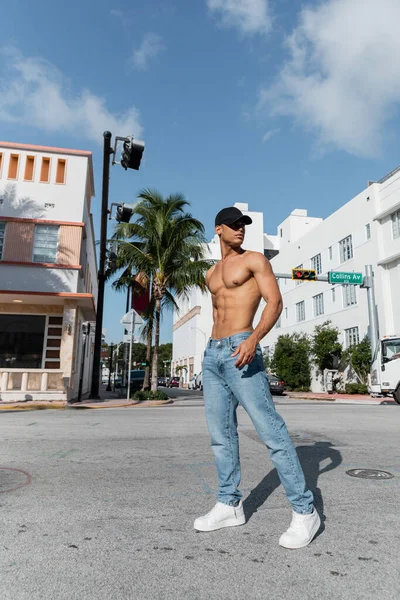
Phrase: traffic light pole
pixel 94 392
pixel 368 284
pixel 289 276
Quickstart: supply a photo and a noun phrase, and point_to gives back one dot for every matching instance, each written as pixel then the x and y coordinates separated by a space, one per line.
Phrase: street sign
pixel 346 278
pixel 127 318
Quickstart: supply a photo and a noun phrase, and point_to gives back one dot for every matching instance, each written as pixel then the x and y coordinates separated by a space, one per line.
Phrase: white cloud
pixel 269 134
pixel 116 13
pixel 341 79
pixel 249 16
pixel 148 49
pixel 33 92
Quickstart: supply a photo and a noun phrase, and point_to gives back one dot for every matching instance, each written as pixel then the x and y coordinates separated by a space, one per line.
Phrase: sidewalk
pixel 107 400
pixel 339 398
pixel 115 400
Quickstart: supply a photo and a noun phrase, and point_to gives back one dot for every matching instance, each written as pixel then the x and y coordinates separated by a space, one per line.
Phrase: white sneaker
pixel 302 530
pixel 220 516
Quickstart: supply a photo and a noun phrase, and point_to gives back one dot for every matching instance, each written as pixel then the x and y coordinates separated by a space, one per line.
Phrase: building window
pixel 330 252
pixel 316 264
pixel 13 166
pixel 2 234
pixel 349 295
pixel 278 324
pixel 1 162
pixel 61 166
pixel 346 249
pixel 29 168
pixel 21 341
pixel 352 337
pixel 281 232
pixel 300 311
pixel 318 305
pixel 286 312
pixel 46 243
pixel 45 170
pixel 368 231
pixel 396 224
pixel 333 294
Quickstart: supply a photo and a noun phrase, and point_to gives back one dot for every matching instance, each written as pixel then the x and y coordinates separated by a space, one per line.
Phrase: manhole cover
pixel 13 479
pixel 369 474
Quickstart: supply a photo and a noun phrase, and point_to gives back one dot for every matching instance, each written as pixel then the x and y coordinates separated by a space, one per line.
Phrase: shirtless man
pixel 233 374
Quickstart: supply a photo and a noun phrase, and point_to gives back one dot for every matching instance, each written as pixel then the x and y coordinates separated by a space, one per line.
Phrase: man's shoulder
pixel 255 259
pixel 210 272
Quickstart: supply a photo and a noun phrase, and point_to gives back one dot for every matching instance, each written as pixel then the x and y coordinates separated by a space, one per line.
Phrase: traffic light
pixel 132 154
pixel 304 274
pixel 124 212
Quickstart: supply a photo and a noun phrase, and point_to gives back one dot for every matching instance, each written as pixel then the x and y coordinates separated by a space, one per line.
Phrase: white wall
pixel 38 279
pixel 31 197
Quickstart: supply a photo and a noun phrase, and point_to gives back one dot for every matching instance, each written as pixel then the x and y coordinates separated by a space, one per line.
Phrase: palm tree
pixel 137 284
pixel 166 245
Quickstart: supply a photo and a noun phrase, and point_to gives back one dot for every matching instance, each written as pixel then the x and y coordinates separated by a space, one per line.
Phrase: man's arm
pixel 269 289
pixel 261 269
pixel 207 279
pixel 208 275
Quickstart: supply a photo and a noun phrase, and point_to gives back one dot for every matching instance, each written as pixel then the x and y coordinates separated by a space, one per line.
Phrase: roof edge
pixel 52 149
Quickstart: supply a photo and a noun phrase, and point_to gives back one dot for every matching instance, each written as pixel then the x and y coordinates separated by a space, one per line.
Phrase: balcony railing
pixel 31 380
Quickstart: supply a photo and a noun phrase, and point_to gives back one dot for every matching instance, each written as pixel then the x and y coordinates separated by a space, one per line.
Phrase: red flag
pixel 141 300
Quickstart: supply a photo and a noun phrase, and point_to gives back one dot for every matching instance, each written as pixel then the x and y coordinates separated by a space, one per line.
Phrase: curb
pixel 143 404
pixel 314 399
pixel 78 406
pixel 29 407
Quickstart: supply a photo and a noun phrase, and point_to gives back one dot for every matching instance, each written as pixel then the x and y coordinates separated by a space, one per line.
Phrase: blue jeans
pixel 225 387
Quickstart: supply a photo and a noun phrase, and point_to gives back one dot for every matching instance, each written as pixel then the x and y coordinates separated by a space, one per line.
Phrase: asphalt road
pixel 99 504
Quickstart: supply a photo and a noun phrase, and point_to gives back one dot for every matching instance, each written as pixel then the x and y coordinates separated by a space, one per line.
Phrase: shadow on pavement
pixel 310 456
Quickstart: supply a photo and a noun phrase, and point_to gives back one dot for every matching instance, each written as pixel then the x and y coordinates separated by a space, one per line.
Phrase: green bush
pixel 149 395
pixel 291 361
pixel 356 388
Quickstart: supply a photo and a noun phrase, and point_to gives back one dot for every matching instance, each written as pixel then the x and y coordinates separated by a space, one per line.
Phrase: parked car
pixel 199 381
pixel 277 386
pixel 192 383
pixel 174 382
pixel 162 381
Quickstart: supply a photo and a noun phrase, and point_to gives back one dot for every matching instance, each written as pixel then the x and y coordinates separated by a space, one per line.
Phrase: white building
pixel 364 231
pixel 48 273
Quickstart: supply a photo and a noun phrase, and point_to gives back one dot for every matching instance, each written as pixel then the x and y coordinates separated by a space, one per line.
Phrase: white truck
pixel 385 369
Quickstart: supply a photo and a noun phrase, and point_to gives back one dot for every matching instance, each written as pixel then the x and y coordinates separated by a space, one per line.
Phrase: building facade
pixel 364 231
pixel 48 272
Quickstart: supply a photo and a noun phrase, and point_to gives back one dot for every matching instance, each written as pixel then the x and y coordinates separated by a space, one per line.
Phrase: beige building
pixel 48 273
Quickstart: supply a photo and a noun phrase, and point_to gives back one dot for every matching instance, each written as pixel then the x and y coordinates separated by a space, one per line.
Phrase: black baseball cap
pixel 230 215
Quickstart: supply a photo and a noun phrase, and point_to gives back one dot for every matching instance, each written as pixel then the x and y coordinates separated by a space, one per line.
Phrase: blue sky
pixel 282 104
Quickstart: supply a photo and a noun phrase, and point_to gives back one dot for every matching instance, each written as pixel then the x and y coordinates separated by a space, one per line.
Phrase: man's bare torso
pixel 235 296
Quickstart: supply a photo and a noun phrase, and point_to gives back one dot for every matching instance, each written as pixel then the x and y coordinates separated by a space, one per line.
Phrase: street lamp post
pixel 165 367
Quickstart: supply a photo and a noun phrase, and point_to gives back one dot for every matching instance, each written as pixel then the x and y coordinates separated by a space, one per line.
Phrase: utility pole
pixel 130 159
pixel 373 332
pixel 94 393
